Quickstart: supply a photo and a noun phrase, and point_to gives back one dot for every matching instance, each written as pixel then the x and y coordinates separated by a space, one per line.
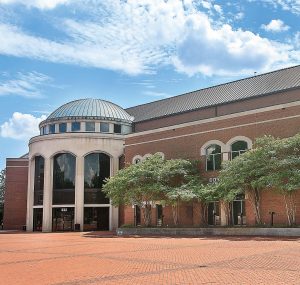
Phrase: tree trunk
pixel 290 207
pixel 175 213
pixel 254 198
pixel 147 214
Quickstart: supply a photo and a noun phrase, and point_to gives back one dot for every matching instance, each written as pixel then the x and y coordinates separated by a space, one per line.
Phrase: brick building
pixel 86 140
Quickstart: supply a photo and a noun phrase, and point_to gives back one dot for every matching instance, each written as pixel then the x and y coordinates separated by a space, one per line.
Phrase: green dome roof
pixel 90 109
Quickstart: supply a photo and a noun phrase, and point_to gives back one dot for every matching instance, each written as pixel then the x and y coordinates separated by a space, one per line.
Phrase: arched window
pixel 137 161
pixel 64 165
pixel 96 169
pixel 38 180
pixel 238 148
pixel 213 157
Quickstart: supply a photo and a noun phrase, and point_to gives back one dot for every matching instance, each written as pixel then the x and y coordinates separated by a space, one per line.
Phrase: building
pixel 58 186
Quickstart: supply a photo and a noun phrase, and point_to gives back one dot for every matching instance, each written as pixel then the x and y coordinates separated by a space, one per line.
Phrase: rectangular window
pixel 104 127
pixel 75 126
pixel 62 127
pixel 213 161
pixel 117 128
pixel 52 129
pixel 89 126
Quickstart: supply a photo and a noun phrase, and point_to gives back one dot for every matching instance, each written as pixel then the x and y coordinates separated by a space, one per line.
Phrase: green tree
pixel 283 173
pixel 154 179
pixel 246 174
pixel 2 186
pixel 137 184
pixel 180 183
pixel 2 191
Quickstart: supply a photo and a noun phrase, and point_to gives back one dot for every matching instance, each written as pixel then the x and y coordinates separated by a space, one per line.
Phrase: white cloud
pixel 275 26
pixel 156 94
pixel 138 36
pixel 287 5
pixel 40 4
pixel 21 126
pixel 25 84
pixel 218 8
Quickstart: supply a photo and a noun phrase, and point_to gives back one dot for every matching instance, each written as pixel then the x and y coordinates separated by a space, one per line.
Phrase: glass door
pixel 63 219
pixel 239 211
pixel 37 219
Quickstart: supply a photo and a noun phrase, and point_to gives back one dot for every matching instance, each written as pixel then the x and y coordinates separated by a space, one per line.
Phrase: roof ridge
pixel 214 86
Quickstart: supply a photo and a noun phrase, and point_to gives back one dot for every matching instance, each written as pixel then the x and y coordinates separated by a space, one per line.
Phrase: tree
pixel 246 174
pixel 180 182
pixel 154 179
pixel 2 186
pixel 2 191
pixel 283 173
pixel 137 184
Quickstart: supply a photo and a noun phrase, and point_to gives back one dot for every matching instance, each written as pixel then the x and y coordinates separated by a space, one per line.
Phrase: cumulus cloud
pixel 275 26
pixel 24 84
pixel 139 36
pixel 40 4
pixel 21 126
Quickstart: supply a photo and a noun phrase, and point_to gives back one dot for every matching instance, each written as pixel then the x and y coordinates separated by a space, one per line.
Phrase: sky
pixel 130 52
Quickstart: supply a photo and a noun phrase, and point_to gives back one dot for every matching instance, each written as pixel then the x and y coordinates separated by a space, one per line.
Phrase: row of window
pixel 89 127
pixel 214 154
pixel 96 170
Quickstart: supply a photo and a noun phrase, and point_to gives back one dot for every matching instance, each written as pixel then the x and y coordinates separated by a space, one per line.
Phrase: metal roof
pixel 258 85
pixel 90 109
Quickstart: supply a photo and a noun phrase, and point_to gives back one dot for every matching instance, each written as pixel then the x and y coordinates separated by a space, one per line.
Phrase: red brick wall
pixel 15 194
pixel 186 142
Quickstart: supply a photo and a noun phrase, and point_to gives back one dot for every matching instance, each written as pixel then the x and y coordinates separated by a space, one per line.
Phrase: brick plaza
pixel 81 258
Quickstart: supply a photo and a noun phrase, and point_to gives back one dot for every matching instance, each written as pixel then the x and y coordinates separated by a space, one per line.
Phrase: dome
pixel 90 109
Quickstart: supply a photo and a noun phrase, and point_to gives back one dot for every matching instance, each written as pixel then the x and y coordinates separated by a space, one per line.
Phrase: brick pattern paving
pixel 77 258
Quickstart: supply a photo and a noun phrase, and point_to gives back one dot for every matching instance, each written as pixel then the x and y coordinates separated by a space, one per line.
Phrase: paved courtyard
pixel 79 258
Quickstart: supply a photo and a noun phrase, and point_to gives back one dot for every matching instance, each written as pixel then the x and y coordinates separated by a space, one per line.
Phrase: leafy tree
pixel 283 173
pixel 152 180
pixel 137 184
pixel 245 174
pixel 180 183
pixel 2 191
pixel 2 186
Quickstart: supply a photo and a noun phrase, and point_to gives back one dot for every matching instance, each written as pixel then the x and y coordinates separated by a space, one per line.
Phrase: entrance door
pixel 37 219
pixel 63 219
pixel 213 214
pixel 238 211
pixel 159 215
pixel 103 219
pixel 96 218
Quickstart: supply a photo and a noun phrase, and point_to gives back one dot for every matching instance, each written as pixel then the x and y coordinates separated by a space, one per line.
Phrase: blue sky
pixel 130 52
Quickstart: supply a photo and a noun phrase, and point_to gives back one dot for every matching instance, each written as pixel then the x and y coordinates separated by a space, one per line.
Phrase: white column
pixel 47 204
pixel 30 196
pixel 79 191
pixel 114 211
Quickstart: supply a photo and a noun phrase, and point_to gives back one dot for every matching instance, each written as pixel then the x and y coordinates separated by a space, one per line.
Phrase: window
pixel 89 126
pixel 117 128
pixel 62 127
pixel 137 161
pixel 38 180
pixel 96 169
pixel 64 165
pixel 52 129
pixel 42 131
pixel 238 148
pixel 213 157
pixel 75 126
pixel 104 127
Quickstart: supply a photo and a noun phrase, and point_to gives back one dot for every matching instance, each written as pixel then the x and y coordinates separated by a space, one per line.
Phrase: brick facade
pixel 185 140
pixel 15 194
